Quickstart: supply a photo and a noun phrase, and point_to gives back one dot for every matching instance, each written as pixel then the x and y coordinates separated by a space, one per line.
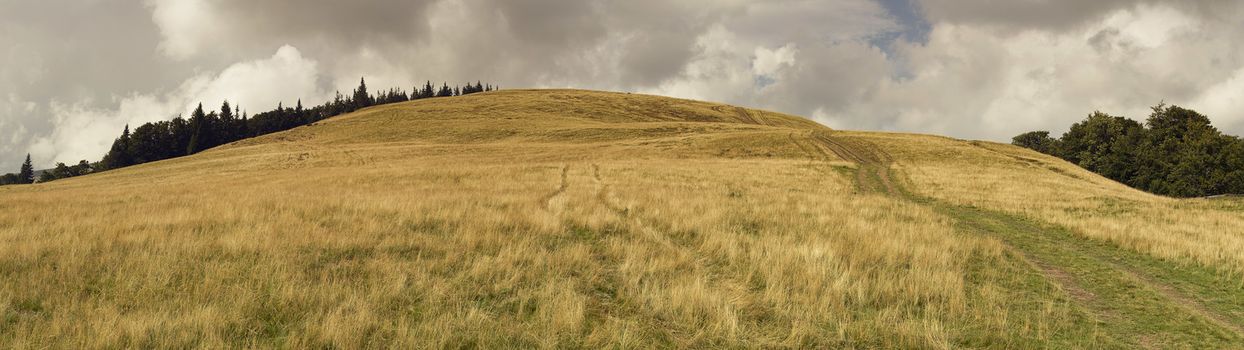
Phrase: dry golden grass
pixel 1017 180
pixel 545 219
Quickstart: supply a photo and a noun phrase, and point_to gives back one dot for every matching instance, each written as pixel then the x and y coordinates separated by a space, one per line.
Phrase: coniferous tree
pixel 119 155
pixel 179 136
pixel 151 142
pixel 26 174
pixel 299 116
pixel 181 131
pixel 361 98
pixel 244 129
pixel 200 131
pixel 227 129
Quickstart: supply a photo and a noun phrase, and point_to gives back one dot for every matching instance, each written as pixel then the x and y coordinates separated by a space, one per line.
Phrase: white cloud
pixel 1224 102
pixel 768 62
pixel 81 132
pixel 185 24
pixel 972 80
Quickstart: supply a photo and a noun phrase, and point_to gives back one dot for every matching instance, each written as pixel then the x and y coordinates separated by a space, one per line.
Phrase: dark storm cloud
pixel 238 29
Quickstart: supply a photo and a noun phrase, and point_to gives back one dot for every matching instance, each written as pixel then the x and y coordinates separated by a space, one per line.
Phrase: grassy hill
pixel 562 218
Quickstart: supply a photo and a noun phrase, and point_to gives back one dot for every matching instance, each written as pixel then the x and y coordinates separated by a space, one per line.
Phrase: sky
pixel 73 73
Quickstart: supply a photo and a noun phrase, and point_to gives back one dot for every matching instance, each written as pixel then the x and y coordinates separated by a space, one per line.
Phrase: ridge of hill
pixel 569 218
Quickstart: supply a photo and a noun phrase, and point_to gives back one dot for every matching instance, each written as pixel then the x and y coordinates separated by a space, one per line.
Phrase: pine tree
pixel 244 129
pixel 300 118
pixel 121 154
pixel 27 174
pixel 239 128
pixel 181 132
pixel 198 131
pixel 361 98
pixel 228 124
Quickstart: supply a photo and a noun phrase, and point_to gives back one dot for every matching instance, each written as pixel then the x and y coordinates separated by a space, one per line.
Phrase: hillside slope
pixel 565 218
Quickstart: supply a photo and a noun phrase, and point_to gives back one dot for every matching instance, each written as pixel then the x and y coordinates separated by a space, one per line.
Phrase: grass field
pixel 560 218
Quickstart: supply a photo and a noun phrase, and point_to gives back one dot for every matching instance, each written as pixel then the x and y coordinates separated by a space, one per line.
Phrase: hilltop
pixel 568 218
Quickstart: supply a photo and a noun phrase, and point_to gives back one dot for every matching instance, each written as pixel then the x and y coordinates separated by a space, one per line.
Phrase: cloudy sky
pixel 74 72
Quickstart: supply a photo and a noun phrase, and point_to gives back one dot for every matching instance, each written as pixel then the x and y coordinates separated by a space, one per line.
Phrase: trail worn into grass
pixel 548 200
pixel 873 164
pixel 1137 300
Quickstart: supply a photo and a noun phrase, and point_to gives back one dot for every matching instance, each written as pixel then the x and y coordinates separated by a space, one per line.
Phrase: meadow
pixel 576 219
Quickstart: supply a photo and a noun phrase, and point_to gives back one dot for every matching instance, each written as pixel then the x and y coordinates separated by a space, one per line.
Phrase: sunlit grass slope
pixel 561 218
pixel 1013 179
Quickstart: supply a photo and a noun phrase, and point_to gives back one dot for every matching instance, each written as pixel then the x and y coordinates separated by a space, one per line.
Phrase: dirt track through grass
pixel 548 200
pixel 1120 289
pixel 872 173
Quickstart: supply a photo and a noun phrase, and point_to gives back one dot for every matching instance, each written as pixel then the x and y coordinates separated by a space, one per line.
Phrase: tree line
pixel 206 129
pixel 1177 152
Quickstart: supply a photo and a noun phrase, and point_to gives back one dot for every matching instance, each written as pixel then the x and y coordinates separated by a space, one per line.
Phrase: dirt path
pixel 1134 306
pixel 603 193
pixel 548 200
pixel 813 156
pixel 747 116
pixel 872 164
pixel 1182 300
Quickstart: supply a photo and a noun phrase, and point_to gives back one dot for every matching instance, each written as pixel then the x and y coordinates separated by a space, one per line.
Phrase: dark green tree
pixel 201 131
pixel 1180 153
pixel 119 155
pixel 181 132
pixel 26 174
pixel 227 130
pixel 1104 144
pixel 1039 141
pixel 84 167
pixel 361 98
pixel 151 142
pixel 9 179
pixel 244 127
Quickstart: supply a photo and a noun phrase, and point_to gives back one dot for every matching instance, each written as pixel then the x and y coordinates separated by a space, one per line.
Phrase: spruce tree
pixel 228 124
pixel 244 129
pixel 361 98
pixel 27 174
pixel 198 131
pixel 120 155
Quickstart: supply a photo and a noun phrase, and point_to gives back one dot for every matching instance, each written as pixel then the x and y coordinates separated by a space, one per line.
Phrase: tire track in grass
pixel 548 199
pixel 644 230
pixel 1183 301
pixel 1129 308
pixel 872 174
pixel 1131 305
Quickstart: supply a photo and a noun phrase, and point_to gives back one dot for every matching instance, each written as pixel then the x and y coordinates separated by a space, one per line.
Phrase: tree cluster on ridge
pixel 1177 152
pixel 206 129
